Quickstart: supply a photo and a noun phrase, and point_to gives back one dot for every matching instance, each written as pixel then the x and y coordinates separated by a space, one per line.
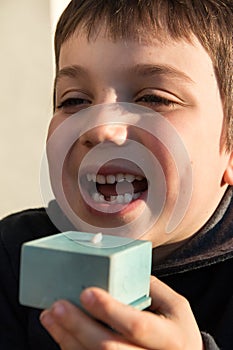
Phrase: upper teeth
pixel 111 179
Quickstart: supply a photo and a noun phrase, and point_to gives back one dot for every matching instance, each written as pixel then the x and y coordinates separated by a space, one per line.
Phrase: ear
pixel 228 173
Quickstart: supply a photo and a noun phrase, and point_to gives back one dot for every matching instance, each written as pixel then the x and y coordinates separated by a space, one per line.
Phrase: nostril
pixel 88 144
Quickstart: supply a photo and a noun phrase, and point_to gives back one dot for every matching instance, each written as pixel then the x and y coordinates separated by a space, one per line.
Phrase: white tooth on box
pixel 97 238
pixel 139 178
pixel 129 177
pixel 113 198
pixel 110 179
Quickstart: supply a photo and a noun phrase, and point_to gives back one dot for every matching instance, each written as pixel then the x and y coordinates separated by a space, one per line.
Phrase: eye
pixel 73 104
pixel 156 101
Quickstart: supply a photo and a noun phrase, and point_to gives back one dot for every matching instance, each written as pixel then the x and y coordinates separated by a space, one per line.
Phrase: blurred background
pixel 26 83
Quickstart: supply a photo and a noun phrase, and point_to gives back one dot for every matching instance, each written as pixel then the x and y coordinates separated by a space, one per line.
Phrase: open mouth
pixel 116 188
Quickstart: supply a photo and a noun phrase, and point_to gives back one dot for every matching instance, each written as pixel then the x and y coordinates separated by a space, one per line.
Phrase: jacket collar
pixel 211 244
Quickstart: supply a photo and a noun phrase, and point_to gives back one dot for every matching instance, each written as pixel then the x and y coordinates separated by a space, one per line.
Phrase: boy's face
pixel 175 79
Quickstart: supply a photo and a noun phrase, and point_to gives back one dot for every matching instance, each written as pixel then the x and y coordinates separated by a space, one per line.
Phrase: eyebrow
pixel 73 72
pixel 144 70
pixel 148 70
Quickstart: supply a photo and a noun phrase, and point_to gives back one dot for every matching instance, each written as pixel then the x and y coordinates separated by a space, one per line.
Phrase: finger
pixel 88 333
pixel 61 336
pixel 142 328
pixel 164 299
pixel 178 311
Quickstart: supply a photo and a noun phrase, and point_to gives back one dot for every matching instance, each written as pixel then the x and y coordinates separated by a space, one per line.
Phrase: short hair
pixel 210 21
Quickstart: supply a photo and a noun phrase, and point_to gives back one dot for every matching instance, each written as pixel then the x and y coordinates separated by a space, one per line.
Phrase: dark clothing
pixel 201 271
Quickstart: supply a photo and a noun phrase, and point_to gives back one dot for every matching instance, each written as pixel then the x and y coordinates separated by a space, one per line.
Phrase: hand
pixel 169 326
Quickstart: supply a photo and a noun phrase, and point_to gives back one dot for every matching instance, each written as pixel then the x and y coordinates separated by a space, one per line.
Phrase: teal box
pixel 62 265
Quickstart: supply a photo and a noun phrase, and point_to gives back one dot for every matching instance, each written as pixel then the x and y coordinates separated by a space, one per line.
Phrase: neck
pixel 162 252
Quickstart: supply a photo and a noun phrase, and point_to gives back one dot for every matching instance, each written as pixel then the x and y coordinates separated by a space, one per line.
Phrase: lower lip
pixel 105 209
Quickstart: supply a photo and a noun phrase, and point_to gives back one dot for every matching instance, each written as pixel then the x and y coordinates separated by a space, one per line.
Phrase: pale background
pixel 26 80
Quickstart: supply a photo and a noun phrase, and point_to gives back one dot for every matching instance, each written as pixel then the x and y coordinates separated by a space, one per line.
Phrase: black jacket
pixel 201 271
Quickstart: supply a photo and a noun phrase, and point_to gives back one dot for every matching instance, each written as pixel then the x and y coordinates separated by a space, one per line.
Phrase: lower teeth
pixel 120 199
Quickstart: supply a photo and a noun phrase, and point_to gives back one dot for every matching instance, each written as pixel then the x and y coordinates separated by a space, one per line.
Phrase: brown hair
pixel 209 20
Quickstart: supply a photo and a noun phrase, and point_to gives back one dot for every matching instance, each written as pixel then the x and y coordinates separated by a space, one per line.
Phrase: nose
pixel 109 132
pixel 106 132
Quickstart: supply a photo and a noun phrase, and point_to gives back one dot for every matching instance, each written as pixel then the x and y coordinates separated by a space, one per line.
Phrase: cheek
pixel 201 138
pixel 54 123
pixel 166 158
pixel 72 161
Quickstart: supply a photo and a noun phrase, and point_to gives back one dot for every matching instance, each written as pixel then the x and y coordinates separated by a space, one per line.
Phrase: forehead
pixel 102 32
pixel 122 53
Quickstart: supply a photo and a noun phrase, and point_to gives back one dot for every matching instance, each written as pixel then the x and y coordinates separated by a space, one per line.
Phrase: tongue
pixel 122 188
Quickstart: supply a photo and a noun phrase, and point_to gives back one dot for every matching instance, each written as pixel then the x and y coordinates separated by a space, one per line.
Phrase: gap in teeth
pixel 120 199
pixel 111 179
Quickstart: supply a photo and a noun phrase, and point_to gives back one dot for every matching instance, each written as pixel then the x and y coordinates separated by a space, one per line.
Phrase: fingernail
pixel 87 297
pixel 58 309
pixel 46 319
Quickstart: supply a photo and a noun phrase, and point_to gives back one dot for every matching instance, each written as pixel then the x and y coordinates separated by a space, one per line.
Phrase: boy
pixel 174 57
